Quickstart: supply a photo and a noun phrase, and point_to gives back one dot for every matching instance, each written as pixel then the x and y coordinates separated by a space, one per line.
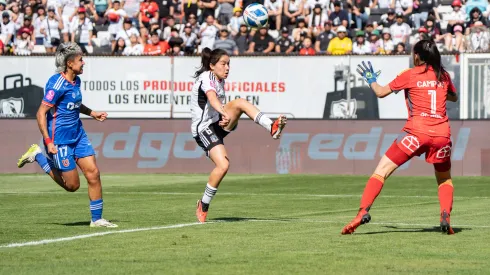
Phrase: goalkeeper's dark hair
pixel 428 53
pixel 209 57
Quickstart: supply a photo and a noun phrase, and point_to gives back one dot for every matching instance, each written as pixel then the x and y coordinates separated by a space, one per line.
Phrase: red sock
pixel 371 191
pixel 446 191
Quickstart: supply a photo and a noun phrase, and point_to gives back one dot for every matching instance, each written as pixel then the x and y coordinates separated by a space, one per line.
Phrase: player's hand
pixel 225 120
pixel 52 149
pixel 100 116
pixel 367 72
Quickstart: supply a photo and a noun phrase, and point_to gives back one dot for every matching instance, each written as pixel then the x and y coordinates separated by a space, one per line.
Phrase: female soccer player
pixel 427 87
pixel 65 140
pixel 212 121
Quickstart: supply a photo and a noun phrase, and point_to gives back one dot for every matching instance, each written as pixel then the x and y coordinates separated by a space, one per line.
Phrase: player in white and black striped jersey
pixel 212 121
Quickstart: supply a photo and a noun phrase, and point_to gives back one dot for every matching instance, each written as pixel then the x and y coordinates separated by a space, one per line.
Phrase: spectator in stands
pixel 400 31
pixel 338 16
pixel 148 10
pixel 291 10
pixel 134 48
pixel 81 30
pixel 190 39
pixel 236 21
pixel 3 6
pixel 307 47
pixel 92 15
pixel 116 17
pixel 323 39
pixel 373 40
pixel 298 43
pixel 23 44
pixel 368 30
pixel 156 47
pixel 405 7
pixel 208 32
pixel 389 19
pixel 119 47
pixel 176 51
pixel 359 11
pixel 456 17
pixel 101 7
pixel 41 17
pixel 67 9
pixel 196 28
pixel 422 34
pixel 208 7
pixel 284 44
pixel 224 42
pixel 132 9
pixel 189 8
pixel 317 20
pixel 385 45
pixel 225 11
pixel 51 30
pixel 481 5
pixel 169 25
pixel 421 11
pixel 243 39
pixel 475 16
pixel 155 27
pixel 400 49
pixel 127 31
pixel 458 34
pixel 7 29
pixel 262 42
pixel 165 9
pixel 300 28
pixel 361 46
pixel 175 39
pixel 16 16
pixel 274 7
pixel 341 44
pixel 28 12
pixel 479 38
pixel 28 25
pixel 145 36
pixel 2 47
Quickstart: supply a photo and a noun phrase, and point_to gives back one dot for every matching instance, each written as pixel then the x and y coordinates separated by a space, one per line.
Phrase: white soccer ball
pixel 255 15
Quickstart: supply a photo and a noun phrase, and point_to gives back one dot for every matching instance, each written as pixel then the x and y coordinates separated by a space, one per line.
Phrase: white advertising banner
pixel 300 87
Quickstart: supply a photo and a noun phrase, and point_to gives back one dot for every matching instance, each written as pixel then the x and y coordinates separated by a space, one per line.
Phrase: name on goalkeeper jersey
pixel 230 86
pixel 429 84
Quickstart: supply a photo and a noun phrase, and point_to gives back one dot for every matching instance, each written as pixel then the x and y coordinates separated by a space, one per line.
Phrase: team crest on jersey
pixel 73 95
pixel 66 162
pixel 214 138
pixel 50 95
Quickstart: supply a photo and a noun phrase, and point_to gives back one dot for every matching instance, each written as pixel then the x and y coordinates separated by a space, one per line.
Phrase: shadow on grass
pixel 84 223
pixel 396 229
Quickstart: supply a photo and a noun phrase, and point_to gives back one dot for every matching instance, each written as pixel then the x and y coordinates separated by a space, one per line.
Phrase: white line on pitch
pixel 239 194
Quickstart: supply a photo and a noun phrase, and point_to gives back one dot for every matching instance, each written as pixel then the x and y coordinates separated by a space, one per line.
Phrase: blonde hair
pixel 65 52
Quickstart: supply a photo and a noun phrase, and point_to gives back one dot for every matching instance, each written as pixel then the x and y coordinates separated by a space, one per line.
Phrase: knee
pixel 240 102
pixel 92 174
pixel 223 167
pixel 72 187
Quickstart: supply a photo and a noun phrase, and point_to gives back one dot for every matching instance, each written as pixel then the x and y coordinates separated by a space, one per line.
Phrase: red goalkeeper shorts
pixel 437 150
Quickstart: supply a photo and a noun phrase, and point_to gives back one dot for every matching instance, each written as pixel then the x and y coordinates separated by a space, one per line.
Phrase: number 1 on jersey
pixel 433 105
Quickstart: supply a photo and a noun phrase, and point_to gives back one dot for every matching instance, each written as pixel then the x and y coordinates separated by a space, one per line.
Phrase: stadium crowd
pixel 304 27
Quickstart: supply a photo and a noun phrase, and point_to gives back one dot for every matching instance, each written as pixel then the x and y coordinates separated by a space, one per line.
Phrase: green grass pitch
pixel 258 224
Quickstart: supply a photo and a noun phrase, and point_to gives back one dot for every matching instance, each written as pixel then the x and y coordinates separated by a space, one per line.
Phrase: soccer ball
pixel 255 15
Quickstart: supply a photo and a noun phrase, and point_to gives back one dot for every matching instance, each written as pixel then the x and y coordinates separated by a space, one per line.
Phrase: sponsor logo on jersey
pixel 12 107
pixel 411 143
pixel 50 95
pixel 444 152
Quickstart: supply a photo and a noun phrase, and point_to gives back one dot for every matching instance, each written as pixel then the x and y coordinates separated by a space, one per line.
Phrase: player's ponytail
pixel 65 52
pixel 209 57
pixel 428 53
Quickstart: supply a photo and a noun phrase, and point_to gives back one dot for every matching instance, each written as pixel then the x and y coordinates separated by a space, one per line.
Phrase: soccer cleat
pixel 445 223
pixel 361 218
pixel 278 126
pixel 200 214
pixel 29 156
pixel 102 223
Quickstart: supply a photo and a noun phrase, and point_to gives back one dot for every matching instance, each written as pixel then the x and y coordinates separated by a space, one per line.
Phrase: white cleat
pixel 102 223
pixel 278 126
pixel 29 156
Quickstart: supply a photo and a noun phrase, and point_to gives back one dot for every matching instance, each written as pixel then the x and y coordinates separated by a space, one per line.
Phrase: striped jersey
pixel 202 113
pixel 64 97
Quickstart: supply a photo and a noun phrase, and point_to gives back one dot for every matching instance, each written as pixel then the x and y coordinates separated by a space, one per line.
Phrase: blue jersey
pixel 65 98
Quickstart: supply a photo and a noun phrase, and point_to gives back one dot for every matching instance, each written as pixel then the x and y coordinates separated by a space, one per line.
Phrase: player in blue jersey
pixel 65 140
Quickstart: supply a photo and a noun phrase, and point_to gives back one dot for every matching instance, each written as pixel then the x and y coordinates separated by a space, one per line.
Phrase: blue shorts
pixel 65 159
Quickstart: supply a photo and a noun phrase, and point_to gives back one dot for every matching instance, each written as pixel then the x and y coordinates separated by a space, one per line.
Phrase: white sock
pixel 264 121
pixel 209 193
